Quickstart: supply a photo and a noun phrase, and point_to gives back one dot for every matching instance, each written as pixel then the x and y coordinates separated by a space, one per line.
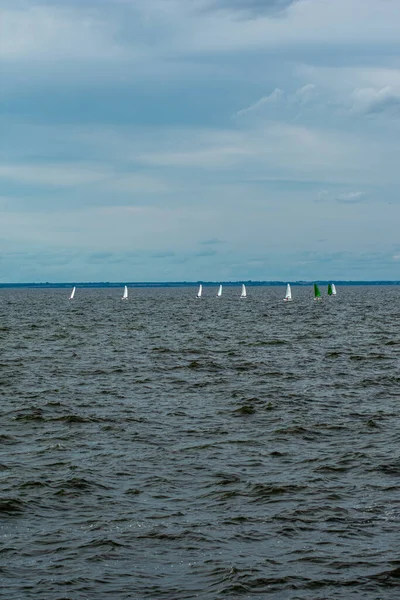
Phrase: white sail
pixel 219 293
pixel 200 291
pixel 125 296
pixel 72 293
pixel 333 289
pixel 288 296
pixel 244 293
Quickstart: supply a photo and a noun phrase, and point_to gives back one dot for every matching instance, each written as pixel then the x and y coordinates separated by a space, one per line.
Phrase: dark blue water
pixel 169 447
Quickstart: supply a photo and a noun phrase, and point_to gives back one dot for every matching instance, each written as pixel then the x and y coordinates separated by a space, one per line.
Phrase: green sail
pixel 317 293
pixel 329 289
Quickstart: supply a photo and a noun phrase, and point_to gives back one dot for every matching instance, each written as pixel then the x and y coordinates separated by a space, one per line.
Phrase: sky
pixel 170 140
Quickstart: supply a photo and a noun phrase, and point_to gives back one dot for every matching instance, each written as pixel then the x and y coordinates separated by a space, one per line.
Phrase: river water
pixel 176 448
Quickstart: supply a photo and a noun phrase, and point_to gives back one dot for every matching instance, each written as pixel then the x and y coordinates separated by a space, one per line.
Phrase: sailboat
pixel 288 296
pixel 244 293
pixel 72 293
pixel 317 293
pixel 333 289
pixel 125 296
pixel 200 291
pixel 219 293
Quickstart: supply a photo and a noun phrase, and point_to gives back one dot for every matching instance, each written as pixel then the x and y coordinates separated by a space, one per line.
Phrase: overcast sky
pixel 164 140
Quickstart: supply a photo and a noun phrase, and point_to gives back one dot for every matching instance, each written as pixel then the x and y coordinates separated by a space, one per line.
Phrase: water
pixel 176 448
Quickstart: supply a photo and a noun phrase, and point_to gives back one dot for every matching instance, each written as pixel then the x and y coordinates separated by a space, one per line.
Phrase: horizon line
pixel 249 282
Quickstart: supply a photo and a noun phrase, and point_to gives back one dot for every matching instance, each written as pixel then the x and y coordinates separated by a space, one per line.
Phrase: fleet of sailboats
pixel 287 298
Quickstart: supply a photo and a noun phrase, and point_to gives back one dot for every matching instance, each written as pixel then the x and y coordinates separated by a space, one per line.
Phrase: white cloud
pixel 273 98
pixel 357 90
pixel 36 32
pixel 249 8
pixel 256 149
pixel 264 149
pixel 350 197
pixel 373 101
pixel 302 96
pixel 170 28
pixel 310 22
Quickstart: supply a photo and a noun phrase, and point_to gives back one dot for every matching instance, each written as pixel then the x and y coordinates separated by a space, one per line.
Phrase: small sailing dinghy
pixel 331 289
pixel 219 293
pixel 200 291
pixel 244 293
pixel 72 293
pixel 288 296
pixel 125 295
pixel 317 293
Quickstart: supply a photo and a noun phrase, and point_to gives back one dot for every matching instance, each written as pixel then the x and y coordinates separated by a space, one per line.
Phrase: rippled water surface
pixel 169 447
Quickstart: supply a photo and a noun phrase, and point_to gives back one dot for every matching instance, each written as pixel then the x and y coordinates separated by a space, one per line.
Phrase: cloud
pixel 49 33
pixel 272 98
pixel 373 101
pixel 323 196
pixel 211 158
pixel 67 175
pixel 159 31
pixel 350 197
pixel 278 97
pixel 304 94
pixel 306 24
pixel 250 8
pixel 121 141
pixel 356 90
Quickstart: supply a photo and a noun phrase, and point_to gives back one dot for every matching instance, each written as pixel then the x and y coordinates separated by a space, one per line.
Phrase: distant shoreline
pixel 176 284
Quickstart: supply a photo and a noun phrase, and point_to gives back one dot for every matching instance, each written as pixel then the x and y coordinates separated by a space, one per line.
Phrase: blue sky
pixel 161 140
